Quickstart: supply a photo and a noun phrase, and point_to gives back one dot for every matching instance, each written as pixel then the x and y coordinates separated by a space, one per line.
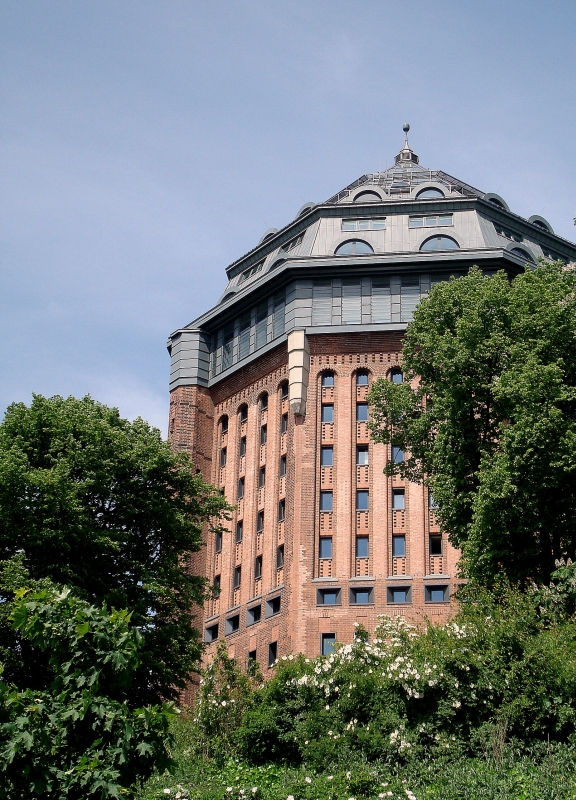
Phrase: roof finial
pixel 406 154
pixel 406 128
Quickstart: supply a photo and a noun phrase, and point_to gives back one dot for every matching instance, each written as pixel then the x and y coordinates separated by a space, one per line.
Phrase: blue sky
pixel 146 145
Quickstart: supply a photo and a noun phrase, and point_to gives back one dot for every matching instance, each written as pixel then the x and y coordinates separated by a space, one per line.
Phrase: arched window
pixel 396 375
pixel 496 202
pixel 361 379
pixel 224 425
pixel 263 401
pixel 243 413
pixel 518 251
pixel 368 197
pixel 440 243
pixel 353 247
pixel 425 194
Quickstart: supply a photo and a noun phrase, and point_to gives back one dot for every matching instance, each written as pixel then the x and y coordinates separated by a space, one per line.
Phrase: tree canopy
pixel 105 507
pixel 487 417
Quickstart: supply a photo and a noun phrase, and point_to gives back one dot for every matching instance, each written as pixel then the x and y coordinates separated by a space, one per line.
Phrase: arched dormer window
pixel 429 193
pixel 353 247
pixel 368 197
pixel 440 243
pixel 519 251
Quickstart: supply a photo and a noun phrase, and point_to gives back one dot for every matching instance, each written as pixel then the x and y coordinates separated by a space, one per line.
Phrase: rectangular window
pixel 261 323
pixel 351 301
pixel 436 594
pixel 243 414
pixel 362 547
pixel 326 456
pixel 327 379
pixel 224 425
pixel 431 502
pixel 430 221
pixel 325 547
pixel 399 546
pixel 398 500
pixel 284 423
pixel 364 224
pixel 292 243
pixel 216 585
pixel 361 412
pixel 282 466
pixel 242 447
pixel 252 658
pixel 264 402
pixel 328 597
pixel 508 234
pixel 362 455
pixel 322 303
pixel 326 501
pixel 280 556
pixel 218 542
pixel 237 577
pixel 284 391
pixel 327 414
pixel 272 653
pixel 361 597
pixel 253 615
pixel 260 521
pixel 435 544
pixel 273 606
pixel 399 594
pixel 279 313
pixel 257 568
pixel 381 300
pixel 244 335
pixel 239 531
pixel 222 458
pixel 211 633
pixel 327 644
pixel 262 477
pixel 227 346
pixel 281 510
pixel 241 489
pixel 397 454
pixel 251 271
pixel 263 434
pixel 362 500
pixel 233 624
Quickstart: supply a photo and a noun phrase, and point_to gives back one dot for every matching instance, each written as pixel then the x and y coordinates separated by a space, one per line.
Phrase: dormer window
pixel 251 271
pixel 431 221
pixel 368 197
pixel 292 243
pixel 353 248
pixel 440 243
pixel 364 224
pixel 518 251
pixel 428 194
pixel 507 233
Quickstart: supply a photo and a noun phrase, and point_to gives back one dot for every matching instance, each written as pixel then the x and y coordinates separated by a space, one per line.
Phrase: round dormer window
pixel 440 243
pixel 518 251
pixel 354 247
pixel 368 197
pixel 427 194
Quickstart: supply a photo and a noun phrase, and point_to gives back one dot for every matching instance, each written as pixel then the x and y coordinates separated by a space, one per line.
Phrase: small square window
pixel 327 457
pixel 325 547
pixel 328 597
pixel 435 544
pixel 233 624
pixel 257 568
pixel 399 594
pixel 263 434
pixel 361 412
pixel 281 510
pixel 282 466
pixel 273 606
pixel 262 477
pixel 399 546
pixel 239 531
pixel 362 379
pixel 328 379
pixel 397 454
pixel 362 500
pixel 327 414
pixel 242 447
pixel 326 501
pixel 237 577
pixel 436 594
pixel 253 615
pixel 362 455
pixel 398 500
pixel 211 633
pixel 327 643
pixel 272 653
pixel 218 542
pixel 241 489
pixel 361 597
pixel 280 556
pixel 362 547
pixel 260 521
pixel 284 423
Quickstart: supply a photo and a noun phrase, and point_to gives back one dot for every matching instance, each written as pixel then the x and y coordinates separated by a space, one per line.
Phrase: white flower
pixel 327 708
pixel 290 797
pixel 228 788
pixel 330 777
pixel 308 780
pixel 456 704
pixel 223 702
pixel 254 789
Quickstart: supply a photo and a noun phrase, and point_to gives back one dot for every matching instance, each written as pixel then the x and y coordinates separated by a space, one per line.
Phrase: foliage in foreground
pixel 80 737
pixel 104 506
pixel 487 417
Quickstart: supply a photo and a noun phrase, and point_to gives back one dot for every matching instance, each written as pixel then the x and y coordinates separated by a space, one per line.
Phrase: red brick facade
pixel 294 577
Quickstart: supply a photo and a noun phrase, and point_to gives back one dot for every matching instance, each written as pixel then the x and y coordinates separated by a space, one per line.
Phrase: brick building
pixel 268 394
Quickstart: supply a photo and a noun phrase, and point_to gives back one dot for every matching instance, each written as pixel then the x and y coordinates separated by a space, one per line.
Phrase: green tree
pixel 104 506
pixel 487 417
pixel 81 736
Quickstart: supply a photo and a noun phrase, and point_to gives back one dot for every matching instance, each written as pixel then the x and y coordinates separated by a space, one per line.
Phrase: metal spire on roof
pixel 406 155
